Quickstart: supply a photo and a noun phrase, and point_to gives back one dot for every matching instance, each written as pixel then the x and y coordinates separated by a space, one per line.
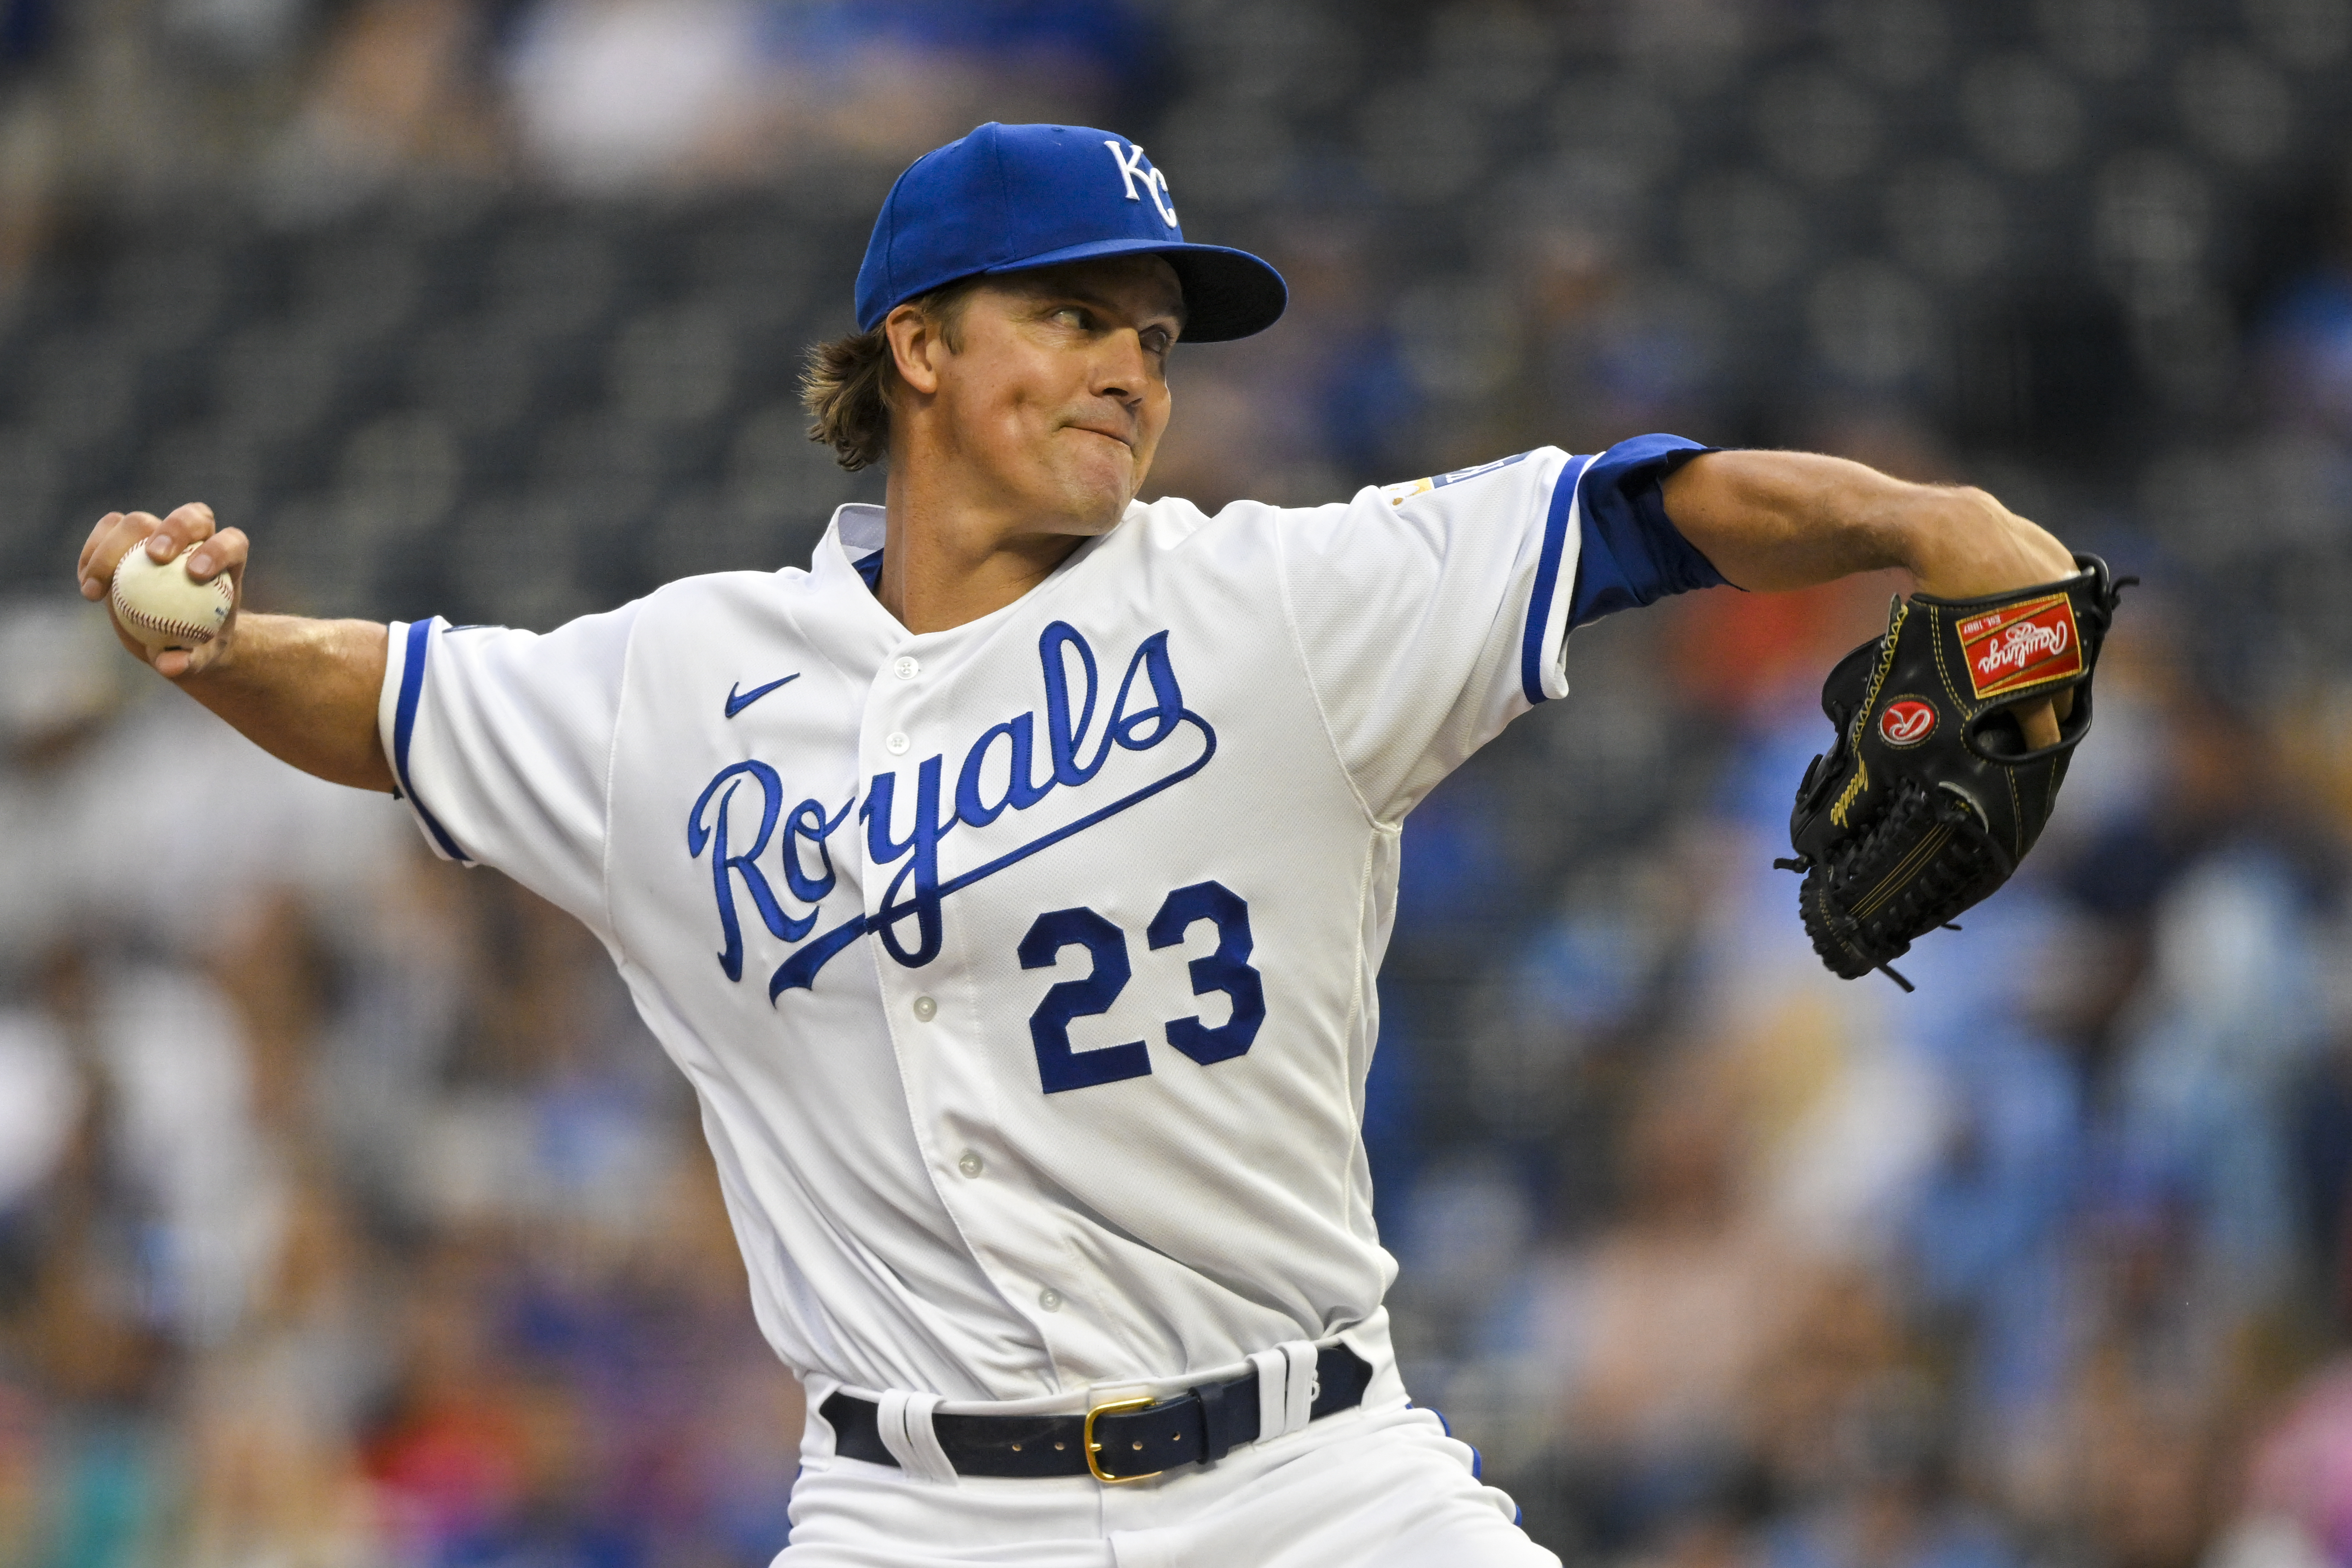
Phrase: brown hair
pixel 846 384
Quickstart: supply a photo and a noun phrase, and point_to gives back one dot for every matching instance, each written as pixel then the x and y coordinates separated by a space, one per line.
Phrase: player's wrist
pixel 225 658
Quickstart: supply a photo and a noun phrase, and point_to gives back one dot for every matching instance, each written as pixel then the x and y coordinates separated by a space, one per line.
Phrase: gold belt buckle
pixel 1093 1448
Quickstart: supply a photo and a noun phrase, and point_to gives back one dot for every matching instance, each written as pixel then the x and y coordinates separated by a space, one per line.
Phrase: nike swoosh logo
pixel 736 704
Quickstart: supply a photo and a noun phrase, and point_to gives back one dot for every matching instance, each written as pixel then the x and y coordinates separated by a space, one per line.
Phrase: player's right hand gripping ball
pixel 1929 797
pixel 161 606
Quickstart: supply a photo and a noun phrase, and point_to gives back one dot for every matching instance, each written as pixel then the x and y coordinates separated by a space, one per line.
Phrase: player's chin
pixel 1095 493
pixel 1097 515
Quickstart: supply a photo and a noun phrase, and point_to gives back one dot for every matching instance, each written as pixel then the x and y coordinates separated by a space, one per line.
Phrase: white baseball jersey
pixel 1024 969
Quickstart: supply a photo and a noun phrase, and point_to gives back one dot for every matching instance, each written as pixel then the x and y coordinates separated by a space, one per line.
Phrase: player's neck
pixel 947 562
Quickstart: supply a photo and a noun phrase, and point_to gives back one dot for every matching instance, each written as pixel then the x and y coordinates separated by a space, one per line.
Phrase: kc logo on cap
pixel 1131 167
pixel 1006 198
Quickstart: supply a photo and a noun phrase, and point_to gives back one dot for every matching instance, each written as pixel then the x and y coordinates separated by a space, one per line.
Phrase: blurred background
pixel 348 1217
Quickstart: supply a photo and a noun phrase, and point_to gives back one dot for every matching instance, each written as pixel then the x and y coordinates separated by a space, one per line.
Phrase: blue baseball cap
pixel 1009 197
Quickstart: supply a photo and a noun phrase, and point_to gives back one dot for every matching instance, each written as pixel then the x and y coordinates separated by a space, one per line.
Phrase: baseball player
pixel 1011 883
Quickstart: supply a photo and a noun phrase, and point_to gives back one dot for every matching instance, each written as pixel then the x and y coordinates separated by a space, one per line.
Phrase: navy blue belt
pixel 1130 1441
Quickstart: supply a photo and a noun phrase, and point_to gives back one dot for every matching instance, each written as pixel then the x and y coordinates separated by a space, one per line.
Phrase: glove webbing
pixel 1924 860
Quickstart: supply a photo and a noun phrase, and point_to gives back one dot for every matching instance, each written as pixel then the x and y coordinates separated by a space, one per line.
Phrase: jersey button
pixel 896 743
pixel 925 1009
pixel 970 1164
pixel 907 667
pixel 1050 1299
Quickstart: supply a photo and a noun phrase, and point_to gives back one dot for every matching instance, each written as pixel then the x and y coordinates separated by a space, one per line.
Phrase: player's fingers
pixel 91 586
pixel 115 533
pixel 222 552
pixel 184 527
pixel 97 533
pixel 114 537
pixel 177 662
pixel 2039 722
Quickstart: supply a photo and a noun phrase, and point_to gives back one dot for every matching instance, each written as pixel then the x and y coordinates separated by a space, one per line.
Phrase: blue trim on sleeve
pixel 404 725
pixel 1631 553
pixel 1555 540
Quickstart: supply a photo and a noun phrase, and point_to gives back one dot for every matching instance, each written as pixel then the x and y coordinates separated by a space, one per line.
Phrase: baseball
pixel 159 604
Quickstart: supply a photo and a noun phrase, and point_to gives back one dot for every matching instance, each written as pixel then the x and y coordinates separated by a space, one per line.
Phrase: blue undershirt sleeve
pixel 1632 554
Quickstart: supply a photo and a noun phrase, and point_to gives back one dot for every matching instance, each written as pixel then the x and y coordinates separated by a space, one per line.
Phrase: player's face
pixel 1058 395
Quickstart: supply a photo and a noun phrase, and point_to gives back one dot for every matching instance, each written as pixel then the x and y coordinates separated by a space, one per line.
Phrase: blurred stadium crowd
pixel 347 1217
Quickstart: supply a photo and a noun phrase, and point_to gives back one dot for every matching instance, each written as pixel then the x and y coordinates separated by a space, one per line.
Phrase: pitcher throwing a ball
pixel 1010 882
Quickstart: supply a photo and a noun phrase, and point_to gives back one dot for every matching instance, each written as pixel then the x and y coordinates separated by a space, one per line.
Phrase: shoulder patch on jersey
pixel 1399 494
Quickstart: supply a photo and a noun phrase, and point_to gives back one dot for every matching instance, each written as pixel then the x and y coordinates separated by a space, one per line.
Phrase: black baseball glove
pixel 1929 797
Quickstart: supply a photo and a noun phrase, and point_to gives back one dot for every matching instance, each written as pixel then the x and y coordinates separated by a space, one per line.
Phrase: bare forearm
pixel 1789 520
pixel 305 692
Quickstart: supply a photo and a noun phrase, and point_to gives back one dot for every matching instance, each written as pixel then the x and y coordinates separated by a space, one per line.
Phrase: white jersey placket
pixel 913 716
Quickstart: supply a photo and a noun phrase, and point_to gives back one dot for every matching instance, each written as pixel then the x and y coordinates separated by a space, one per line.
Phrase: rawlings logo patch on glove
pixel 2019 647
pixel 1929 797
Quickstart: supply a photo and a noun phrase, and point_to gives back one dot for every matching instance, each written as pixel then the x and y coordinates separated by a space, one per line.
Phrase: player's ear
pixel 917 345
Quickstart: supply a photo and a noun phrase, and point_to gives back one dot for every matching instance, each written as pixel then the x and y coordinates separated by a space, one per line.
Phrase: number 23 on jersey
pixel 1227 970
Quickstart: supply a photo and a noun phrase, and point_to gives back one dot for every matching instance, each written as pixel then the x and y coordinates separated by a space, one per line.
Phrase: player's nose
pixel 1122 367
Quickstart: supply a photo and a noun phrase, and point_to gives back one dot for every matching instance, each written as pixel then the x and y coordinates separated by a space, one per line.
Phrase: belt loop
pixel 1299 1388
pixel 820 1440
pixel 1273 1370
pixel 1286 1388
pixel 904 1421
